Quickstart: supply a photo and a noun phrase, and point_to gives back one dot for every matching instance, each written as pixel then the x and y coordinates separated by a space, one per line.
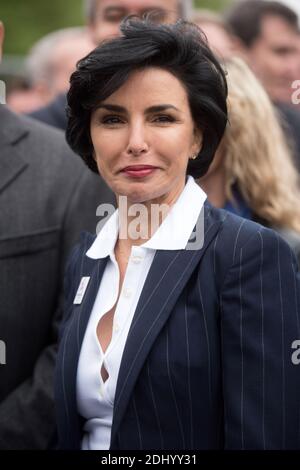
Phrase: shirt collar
pixel 105 241
pixel 176 229
pixel 174 232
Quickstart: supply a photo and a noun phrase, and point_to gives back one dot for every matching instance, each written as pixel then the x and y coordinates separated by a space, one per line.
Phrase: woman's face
pixel 143 136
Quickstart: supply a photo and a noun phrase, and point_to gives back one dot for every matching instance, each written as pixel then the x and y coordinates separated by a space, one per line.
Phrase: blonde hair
pixel 257 155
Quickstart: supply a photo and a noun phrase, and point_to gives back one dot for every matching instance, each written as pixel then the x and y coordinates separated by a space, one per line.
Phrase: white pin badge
pixel 81 290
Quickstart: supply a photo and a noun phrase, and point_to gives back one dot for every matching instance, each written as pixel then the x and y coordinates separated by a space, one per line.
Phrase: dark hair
pixel 182 50
pixel 245 18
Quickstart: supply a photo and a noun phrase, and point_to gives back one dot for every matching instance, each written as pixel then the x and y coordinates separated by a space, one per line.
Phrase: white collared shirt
pixel 95 398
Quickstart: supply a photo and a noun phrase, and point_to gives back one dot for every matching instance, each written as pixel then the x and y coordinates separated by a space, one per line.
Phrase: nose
pixel 137 142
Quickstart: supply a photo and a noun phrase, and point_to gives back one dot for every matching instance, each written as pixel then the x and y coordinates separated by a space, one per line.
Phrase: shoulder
pixel 22 131
pixel 54 113
pixel 292 238
pixel 239 240
pixel 41 134
pixel 289 113
pixel 56 170
pixel 233 229
pixel 41 146
pixel 46 151
pixel 78 254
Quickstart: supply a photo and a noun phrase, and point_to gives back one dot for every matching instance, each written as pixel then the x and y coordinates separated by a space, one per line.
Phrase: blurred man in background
pixel 218 33
pixel 103 19
pixel 104 16
pixel 268 35
pixel 47 198
pixel 48 68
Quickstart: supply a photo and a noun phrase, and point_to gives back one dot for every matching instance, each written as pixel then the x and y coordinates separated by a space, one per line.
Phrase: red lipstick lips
pixel 139 171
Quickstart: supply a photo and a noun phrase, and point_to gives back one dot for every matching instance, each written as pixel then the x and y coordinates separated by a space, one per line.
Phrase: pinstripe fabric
pixel 71 332
pixel 155 408
pixel 179 428
pixel 190 402
pixel 207 363
pixel 138 425
pixel 262 341
pixel 242 352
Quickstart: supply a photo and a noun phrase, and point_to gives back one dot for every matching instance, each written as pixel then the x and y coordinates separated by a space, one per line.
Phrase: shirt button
pixel 127 293
pixel 117 327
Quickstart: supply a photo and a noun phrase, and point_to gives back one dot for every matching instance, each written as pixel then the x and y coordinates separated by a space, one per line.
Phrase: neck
pixel 139 221
pixel 214 186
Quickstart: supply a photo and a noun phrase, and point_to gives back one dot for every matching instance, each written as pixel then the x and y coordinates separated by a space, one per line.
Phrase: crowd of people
pixel 154 331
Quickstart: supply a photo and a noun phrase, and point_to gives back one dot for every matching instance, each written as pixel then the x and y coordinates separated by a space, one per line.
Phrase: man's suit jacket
pixel 289 117
pixel 207 363
pixel 54 113
pixel 47 196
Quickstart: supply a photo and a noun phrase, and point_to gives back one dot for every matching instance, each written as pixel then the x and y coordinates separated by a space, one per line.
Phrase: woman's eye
pixel 164 118
pixel 111 120
pixel 115 17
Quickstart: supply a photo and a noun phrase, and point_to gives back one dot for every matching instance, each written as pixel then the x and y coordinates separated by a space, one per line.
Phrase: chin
pixel 135 192
pixel 139 195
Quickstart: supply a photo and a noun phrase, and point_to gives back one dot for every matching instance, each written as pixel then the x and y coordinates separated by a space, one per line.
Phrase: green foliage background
pixel 28 20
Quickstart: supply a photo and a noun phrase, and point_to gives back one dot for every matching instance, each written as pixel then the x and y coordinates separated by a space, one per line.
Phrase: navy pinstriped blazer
pixel 207 363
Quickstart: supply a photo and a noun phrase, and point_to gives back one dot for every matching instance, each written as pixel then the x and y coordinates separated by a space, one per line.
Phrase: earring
pixel 193 157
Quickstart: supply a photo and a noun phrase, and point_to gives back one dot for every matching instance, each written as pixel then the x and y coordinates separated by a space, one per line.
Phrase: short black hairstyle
pixel 245 18
pixel 179 48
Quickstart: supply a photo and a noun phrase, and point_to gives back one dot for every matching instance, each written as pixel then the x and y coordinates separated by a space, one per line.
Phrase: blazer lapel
pixel 166 280
pixel 12 132
pixel 73 338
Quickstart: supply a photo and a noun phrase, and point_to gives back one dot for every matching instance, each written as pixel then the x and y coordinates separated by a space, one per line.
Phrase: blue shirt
pixel 238 206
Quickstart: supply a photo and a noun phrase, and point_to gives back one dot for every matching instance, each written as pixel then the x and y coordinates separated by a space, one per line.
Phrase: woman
pixel 171 339
pixel 253 174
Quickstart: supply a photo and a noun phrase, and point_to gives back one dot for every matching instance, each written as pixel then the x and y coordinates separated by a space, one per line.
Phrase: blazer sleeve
pixel 259 323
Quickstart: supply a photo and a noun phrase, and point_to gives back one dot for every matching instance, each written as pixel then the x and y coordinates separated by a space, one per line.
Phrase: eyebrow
pixel 113 9
pixel 152 109
pixel 117 8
